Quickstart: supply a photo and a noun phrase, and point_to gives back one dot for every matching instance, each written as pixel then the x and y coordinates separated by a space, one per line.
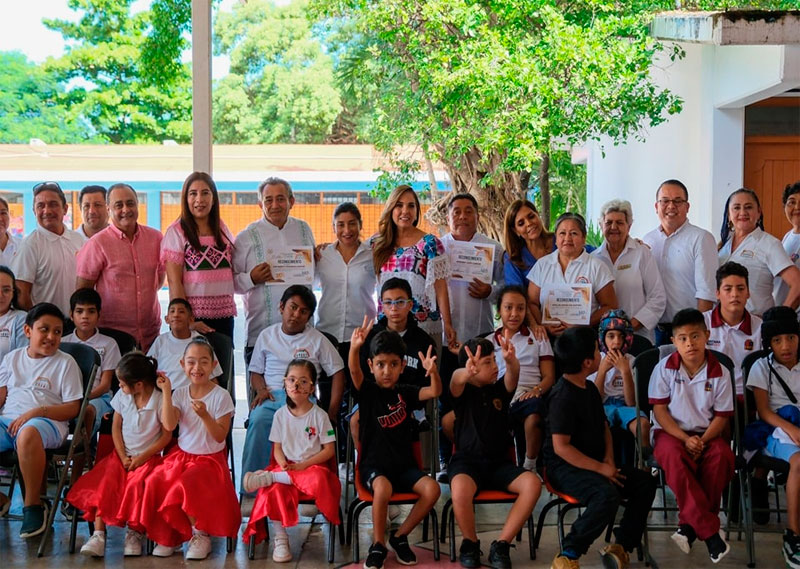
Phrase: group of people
pixel 431 335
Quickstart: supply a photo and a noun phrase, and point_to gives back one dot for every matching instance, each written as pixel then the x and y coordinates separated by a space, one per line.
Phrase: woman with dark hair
pixel 743 240
pixel 12 320
pixel 8 243
pixel 402 250
pixel 197 249
pixel 526 240
pixel 791 241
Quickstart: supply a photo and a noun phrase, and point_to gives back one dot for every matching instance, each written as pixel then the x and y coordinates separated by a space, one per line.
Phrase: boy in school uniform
pixel 775 382
pixel 386 435
pixel 692 400
pixel 579 459
pixel 482 440
pixel 732 329
pixel 168 347
pixel 40 392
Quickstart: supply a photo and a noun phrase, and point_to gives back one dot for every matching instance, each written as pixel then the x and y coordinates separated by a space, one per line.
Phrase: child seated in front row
pixel 386 434
pixel 614 377
pixel 191 494
pixel 775 382
pixel 579 459
pixel 111 492
pixel 40 391
pixel 482 439
pixel 303 441
pixel 168 347
pixel 692 400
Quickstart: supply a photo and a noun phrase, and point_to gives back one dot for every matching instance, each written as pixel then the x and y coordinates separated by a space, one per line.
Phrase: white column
pixel 201 85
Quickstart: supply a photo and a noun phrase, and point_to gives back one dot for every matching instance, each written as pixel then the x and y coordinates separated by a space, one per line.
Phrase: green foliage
pixel 115 91
pixel 29 106
pixel 281 85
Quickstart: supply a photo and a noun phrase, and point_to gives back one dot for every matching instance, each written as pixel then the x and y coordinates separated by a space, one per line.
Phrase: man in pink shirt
pixel 123 263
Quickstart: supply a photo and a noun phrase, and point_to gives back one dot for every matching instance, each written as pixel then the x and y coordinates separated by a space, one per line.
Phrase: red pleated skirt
pixel 113 494
pixel 190 485
pixel 279 501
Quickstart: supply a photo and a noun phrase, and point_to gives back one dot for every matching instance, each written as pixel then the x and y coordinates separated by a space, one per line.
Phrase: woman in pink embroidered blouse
pixel 197 249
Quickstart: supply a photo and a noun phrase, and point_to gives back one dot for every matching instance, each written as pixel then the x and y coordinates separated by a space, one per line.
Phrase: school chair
pixel 363 499
pixel 223 350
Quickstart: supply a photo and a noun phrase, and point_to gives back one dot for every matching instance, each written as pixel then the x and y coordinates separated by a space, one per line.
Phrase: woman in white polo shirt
pixel 743 240
pixel 791 241
pixel 570 264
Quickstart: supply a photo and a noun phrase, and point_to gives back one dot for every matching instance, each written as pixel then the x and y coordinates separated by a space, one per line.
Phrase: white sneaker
pixel 258 479
pixel 96 546
pixel 393 511
pixel 133 543
pixel 308 510
pixel 199 546
pixel 165 550
pixel 281 552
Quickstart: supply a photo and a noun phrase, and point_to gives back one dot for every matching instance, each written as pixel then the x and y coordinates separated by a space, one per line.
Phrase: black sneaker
pixel 376 556
pixel 499 557
pixel 791 549
pixel 469 554
pixel 401 549
pixel 717 547
pixel 684 537
pixel 34 520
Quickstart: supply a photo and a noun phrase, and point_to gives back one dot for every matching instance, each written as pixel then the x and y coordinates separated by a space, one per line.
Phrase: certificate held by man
pixel 291 265
pixel 469 261
pixel 568 303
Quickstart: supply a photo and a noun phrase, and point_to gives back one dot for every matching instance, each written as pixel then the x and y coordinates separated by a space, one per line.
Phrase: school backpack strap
pixel 772 371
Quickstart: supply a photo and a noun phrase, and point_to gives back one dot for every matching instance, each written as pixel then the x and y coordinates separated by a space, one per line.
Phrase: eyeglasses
pixel 298 382
pixel 47 186
pixel 677 202
pixel 399 303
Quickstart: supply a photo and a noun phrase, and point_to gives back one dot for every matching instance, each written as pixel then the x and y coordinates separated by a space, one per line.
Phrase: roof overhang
pixel 746 27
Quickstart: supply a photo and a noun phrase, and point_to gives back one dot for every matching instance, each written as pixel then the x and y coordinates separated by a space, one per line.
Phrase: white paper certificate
pixel 470 261
pixel 571 303
pixel 291 265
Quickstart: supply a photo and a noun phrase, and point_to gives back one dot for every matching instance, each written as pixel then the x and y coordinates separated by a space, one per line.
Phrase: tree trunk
pixel 544 189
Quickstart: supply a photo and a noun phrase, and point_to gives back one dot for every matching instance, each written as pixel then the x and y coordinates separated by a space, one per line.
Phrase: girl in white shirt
pixel 110 493
pixel 191 495
pixel 303 442
pixel 12 321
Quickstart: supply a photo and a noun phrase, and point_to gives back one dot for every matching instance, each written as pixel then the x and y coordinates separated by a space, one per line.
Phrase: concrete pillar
pixel 201 85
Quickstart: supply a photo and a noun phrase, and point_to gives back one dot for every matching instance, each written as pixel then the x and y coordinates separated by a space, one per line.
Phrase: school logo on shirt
pixel 617 381
pixel 42 383
pixel 708 386
pixel 583 280
pixel 748 345
pixel 311 432
pixel 5 333
pixel 623 267
pixel 397 414
pixel 530 341
pixel 302 354
pixel 748 254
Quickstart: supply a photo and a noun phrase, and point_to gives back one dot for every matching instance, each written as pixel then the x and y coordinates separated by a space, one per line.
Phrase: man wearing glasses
pixel 686 256
pixel 45 264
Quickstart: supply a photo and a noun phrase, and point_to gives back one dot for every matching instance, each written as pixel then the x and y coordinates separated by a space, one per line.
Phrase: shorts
pixel 619 414
pixel 51 436
pixel 777 449
pixel 487 474
pixel 519 410
pixel 401 480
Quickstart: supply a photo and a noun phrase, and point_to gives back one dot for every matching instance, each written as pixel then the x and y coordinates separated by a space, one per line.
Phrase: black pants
pixel 221 325
pixel 601 498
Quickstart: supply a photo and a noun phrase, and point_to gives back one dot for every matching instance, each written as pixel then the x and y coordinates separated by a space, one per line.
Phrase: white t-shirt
pixel 585 269
pixel 613 384
pixel 104 345
pixel 760 377
pixel 194 437
pixel 791 244
pixel 12 332
pixel 301 437
pixel 140 427
pixel 692 402
pixel 48 261
pixel 765 258
pixel 36 382
pixel 274 350
pixel 7 254
pixel 530 352
pixel 687 260
pixel 736 342
pixel 168 351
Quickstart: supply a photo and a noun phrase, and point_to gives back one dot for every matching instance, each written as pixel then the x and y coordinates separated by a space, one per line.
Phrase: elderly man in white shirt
pixel 45 264
pixel 637 279
pixel 251 262
pixel 686 256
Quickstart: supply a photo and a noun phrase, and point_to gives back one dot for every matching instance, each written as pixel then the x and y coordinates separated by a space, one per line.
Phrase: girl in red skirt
pixel 111 492
pixel 191 495
pixel 303 442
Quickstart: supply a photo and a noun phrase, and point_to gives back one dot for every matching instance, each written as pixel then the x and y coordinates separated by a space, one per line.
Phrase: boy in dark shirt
pixel 482 439
pixel 386 457
pixel 579 458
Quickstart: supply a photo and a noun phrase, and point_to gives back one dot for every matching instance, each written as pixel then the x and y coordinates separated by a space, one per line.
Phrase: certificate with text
pixel 291 265
pixel 570 303
pixel 470 261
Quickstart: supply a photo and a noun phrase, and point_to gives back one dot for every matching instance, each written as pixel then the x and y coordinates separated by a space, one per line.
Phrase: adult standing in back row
pixel 686 256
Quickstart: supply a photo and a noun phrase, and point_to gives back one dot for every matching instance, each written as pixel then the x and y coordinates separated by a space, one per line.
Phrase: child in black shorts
pixel 482 438
pixel 386 434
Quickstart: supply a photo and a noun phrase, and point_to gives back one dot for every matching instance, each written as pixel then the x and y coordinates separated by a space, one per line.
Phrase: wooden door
pixel 770 163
